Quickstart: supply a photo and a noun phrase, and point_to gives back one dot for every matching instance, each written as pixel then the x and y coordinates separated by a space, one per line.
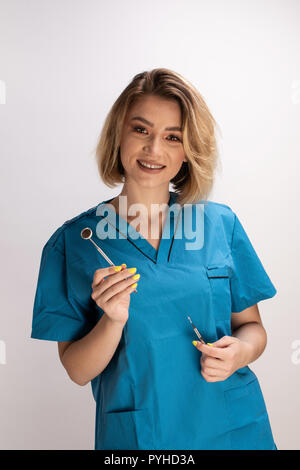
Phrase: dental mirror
pixel 86 234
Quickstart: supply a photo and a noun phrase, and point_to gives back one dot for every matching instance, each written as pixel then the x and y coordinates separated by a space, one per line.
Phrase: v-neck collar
pixel 126 231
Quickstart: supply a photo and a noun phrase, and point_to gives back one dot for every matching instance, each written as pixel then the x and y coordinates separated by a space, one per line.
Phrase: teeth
pixel 150 166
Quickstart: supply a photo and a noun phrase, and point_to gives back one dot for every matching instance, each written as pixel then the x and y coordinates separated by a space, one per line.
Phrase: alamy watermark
pixel 187 220
pixel 2 352
pixel 295 357
pixel 2 92
pixel 295 92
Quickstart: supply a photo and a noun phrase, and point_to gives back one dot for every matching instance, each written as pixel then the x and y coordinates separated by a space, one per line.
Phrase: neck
pixel 145 196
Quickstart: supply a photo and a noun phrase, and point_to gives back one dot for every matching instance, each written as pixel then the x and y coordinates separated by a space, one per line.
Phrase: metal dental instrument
pixel 196 331
pixel 86 234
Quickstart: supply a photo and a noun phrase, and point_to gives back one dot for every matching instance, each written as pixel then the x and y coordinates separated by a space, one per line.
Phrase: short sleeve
pixel 249 281
pixel 56 316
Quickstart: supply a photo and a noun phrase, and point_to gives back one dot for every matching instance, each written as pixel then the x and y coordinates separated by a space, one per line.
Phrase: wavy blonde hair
pixel 195 178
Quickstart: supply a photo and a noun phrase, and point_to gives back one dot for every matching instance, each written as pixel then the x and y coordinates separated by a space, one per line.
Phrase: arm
pixel 230 353
pixel 86 358
pixel 247 326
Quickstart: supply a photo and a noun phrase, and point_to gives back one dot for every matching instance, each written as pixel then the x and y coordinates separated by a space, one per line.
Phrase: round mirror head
pixel 86 233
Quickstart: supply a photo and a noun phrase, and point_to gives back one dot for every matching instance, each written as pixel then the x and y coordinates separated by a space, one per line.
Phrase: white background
pixel 64 63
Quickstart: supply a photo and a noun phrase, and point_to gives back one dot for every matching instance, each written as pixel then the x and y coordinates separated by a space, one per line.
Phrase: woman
pixel 153 389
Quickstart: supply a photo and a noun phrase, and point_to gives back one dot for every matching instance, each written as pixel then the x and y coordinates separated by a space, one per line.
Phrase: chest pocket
pixel 219 281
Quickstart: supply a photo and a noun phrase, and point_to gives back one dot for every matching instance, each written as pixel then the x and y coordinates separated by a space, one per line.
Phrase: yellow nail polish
pixel 209 344
pixel 124 265
pixel 137 276
pixel 195 343
pixel 132 270
pixel 118 268
pixel 133 285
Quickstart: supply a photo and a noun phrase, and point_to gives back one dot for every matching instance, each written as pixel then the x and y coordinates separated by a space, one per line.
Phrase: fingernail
pixel 195 343
pixel 132 270
pixel 136 277
pixel 209 344
pixel 124 265
pixel 133 285
pixel 117 268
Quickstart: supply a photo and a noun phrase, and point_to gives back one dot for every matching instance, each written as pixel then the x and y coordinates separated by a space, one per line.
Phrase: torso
pixel 153 241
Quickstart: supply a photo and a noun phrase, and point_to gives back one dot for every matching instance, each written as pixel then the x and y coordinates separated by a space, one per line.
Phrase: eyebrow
pixel 139 118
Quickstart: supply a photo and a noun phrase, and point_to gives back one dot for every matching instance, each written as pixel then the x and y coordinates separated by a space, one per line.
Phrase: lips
pixel 152 163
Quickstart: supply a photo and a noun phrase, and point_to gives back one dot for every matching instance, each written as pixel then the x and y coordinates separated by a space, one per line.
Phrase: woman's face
pixel 147 137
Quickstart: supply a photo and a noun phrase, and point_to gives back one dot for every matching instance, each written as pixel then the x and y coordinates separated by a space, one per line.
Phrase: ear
pixel 185 159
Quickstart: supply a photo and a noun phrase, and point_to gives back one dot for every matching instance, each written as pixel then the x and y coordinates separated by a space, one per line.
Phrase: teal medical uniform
pixel 152 394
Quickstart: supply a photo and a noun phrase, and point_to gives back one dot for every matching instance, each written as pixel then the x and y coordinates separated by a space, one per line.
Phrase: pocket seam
pixel 216 272
pixel 129 417
pixel 218 277
pixel 235 387
pixel 124 411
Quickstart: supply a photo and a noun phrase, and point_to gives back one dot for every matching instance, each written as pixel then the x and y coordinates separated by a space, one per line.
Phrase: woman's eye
pixel 137 129
pixel 178 140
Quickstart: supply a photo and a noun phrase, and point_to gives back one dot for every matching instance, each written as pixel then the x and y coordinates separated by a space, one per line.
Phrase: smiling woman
pixel 149 150
pixel 161 119
pixel 153 389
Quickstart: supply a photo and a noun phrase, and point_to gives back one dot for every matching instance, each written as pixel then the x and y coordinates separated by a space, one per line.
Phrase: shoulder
pixel 219 218
pixel 218 211
pixel 56 240
pixel 217 207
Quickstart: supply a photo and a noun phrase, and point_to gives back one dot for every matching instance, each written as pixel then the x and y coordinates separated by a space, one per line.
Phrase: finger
pixel 118 277
pixel 113 289
pixel 211 350
pixel 119 296
pixel 120 288
pixel 224 341
pixel 213 363
pixel 213 371
pixel 101 273
pixel 209 378
pixel 114 273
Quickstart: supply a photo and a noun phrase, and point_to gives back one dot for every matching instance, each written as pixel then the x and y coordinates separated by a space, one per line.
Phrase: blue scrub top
pixel 152 394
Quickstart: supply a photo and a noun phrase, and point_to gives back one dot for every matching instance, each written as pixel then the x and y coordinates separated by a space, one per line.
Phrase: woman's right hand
pixel 111 292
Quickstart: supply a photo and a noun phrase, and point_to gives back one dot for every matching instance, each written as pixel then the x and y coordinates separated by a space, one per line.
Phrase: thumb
pixel 223 342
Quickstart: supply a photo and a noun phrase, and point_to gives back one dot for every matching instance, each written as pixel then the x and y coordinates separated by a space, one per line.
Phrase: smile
pixel 150 166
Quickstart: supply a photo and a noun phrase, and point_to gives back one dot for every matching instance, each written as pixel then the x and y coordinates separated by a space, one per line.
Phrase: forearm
pixel 254 337
pixel 86 358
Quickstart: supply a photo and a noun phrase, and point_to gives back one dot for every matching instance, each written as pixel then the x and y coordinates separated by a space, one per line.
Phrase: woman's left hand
pixel 222 359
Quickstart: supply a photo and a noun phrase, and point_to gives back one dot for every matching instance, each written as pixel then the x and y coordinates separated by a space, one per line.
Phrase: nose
pixel 153 146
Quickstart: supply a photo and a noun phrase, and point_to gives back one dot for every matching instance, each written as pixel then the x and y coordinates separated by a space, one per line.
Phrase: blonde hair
pixel 195 179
